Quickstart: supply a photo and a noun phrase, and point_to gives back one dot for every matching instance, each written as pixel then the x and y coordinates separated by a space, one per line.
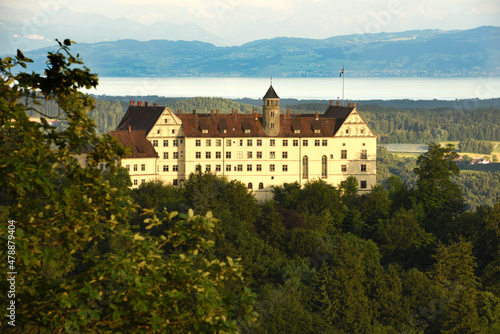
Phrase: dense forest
pixel 323 259
pixel 477 146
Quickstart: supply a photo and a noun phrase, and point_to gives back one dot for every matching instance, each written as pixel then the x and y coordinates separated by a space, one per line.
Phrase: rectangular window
pixel 249 155
pixel 128 168
pixel 249 142
pixel 259 142
pixel 259 155
pixel 363 168
pixel 240 142
pixel 142 181
pixel 175 168
pixel 343 154
pixel 305 142
pixel 285 168
pixel 285 142
pixel 155 142
pixel 217 155
pixel 143 167
pixel 258 168
pixel 228 142
pixel 285 155
pixel 165 142
pixel 165 155
pixel 324 142
pixel 316 142
pixel 198 142
pixel 272 125
pixel 271 168
pixel 240 154
pixel 228 168
pixel 218 142
pixel 175 155
pixel 239 168
pixel 228 155
pixel 362 184
pixel 208 168
pixel 217 168
pixel 364 154
pixel 165 168
pixel 208 155
pixel 343 168
pixel 135 182
pixel 272 142
pixel 208 142
pixel 135 167
pixel 272 155
pixel 175 182
pixel 295 142
pixel 175 142
pixel 249 168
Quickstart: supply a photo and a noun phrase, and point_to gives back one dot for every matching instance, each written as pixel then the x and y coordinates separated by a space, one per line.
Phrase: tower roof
pixel 271 94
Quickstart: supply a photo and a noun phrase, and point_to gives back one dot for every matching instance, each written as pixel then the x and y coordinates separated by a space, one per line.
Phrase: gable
pixel 354 125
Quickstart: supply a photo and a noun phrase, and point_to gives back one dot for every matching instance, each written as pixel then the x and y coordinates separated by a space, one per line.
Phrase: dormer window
pixel 347 131
pixel 317 131
pixel 296 131
pixel 247 131
pixel 204 131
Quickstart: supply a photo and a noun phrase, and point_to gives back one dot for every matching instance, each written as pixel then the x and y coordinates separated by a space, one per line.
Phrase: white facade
pixel 257 160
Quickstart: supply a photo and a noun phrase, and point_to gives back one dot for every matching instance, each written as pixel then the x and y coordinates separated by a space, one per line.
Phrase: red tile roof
pixel 136 140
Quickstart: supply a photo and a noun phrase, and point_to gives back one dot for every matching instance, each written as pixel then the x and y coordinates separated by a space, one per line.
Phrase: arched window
pixel 305 167
pixel 324 166
pixel 261 185
pixel 250 186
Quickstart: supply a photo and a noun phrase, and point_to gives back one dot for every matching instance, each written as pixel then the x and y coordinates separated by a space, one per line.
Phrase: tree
pixel 441 198
pixel 83 268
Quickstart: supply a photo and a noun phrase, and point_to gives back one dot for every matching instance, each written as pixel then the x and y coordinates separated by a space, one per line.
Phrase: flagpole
pixel 343 78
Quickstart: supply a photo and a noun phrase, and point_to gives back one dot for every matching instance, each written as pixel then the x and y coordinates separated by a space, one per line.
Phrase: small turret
pixel 271 112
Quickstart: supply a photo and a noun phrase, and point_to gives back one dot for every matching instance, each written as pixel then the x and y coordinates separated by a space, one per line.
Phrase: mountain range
pixel 421 53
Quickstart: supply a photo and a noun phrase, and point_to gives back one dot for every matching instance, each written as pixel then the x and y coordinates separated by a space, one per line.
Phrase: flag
pixel 341 72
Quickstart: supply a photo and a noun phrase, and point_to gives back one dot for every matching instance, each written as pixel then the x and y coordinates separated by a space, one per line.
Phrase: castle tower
pixel 271 112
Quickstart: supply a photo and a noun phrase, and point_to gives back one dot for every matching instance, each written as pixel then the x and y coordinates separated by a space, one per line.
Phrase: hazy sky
pixel 243 20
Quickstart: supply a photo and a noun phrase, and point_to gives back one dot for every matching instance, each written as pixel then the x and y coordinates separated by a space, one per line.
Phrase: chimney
pixel 132 102
pixel 146 103
pixel 317 115
pixel 156 104
pixel 139 103
pixel 217 111
pixel 349 104
pixel 232 112
pixel 195 114
pixel 130 129
pixel 211 112
pixel 331 102
pixel 338 103
pixel 179 111
pixel 354 105
pixel 288 112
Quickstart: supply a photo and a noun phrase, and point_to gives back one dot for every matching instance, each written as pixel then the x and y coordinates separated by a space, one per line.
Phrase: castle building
pixel 260 150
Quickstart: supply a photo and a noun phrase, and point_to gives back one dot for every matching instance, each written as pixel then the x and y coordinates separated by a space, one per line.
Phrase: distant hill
pixel 426 53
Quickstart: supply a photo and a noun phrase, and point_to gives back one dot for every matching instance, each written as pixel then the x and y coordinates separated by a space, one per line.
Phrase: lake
pixel 355 89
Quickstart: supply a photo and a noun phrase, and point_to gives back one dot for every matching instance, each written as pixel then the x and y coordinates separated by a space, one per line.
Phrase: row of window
pixel 272 155
pixel 175 142
pixel 135 167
